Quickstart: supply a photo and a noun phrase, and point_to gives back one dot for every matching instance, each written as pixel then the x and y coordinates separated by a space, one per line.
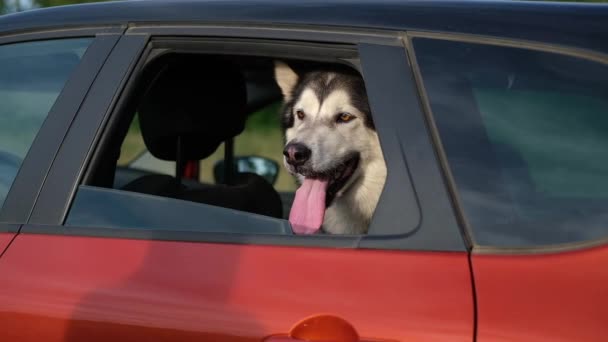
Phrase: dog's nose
pixel 296 154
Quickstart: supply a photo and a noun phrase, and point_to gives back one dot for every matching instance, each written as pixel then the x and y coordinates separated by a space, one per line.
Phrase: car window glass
pixel 526 137
pixel 32 75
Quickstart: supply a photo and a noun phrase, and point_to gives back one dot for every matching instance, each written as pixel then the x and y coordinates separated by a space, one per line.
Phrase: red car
pixel 493 221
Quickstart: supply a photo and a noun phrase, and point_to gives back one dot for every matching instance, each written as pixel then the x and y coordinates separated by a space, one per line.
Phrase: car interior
pixel 189 109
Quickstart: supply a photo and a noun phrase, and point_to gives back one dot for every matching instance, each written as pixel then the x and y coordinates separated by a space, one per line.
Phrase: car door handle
pixel 325 328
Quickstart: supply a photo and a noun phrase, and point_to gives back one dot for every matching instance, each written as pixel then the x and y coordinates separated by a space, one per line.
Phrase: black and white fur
pixel 323 95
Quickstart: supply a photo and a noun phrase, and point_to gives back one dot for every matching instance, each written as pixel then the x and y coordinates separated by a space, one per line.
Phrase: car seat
pixel 194 105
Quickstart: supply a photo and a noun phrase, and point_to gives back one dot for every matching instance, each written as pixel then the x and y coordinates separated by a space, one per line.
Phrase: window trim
pixel 52 212
pixel 585 54
pixel 514 43
pixel 324 34
pixel 190 216
pixel 60 33
pixel 26 186
pixel 541 250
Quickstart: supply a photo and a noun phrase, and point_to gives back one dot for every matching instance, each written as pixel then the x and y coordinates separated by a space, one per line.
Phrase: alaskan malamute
pixel 332 148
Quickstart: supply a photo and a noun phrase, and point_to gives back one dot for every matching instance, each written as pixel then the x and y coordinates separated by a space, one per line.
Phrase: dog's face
pixel 328 126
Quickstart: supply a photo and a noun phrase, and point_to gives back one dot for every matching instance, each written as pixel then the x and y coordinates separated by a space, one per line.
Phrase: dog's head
pixel 328 129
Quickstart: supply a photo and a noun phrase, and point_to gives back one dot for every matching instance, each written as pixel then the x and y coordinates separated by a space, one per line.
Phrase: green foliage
pixel 266 118
pixel 49 3
pixel 8 6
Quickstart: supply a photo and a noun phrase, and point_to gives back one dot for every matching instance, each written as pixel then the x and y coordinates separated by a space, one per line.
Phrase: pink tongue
pixel 308 207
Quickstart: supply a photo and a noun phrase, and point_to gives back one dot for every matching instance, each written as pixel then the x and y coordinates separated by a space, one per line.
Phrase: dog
pixel 332 148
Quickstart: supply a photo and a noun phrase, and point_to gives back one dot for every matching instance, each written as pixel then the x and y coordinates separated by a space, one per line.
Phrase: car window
pixel 262 137
pixel 526 137
pixel 214 130
pixel 32 75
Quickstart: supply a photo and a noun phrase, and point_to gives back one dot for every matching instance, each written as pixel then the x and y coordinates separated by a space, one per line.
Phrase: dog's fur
pixel 323 95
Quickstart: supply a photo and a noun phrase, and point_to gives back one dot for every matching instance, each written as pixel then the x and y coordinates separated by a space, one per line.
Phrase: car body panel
pixel 127 289
pixel 122 288
pixel 552 296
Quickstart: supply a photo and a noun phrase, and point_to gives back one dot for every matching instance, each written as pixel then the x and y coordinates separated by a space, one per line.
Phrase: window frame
pixel 28 182
pixel 571 51
pixel 428 196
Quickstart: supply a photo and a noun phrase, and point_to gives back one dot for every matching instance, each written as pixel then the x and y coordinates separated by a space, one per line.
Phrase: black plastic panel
pixel 407 146
pixel 108 208
pixel 63 178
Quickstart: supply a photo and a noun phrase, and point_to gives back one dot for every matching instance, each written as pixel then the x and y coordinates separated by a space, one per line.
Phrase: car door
pixel 524 132
pixel 409 279
pixel 43 79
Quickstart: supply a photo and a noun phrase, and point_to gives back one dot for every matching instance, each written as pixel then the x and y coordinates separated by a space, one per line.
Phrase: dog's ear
pixel 286 79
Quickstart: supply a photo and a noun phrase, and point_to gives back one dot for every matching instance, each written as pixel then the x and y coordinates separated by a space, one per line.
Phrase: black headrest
pixel 201 99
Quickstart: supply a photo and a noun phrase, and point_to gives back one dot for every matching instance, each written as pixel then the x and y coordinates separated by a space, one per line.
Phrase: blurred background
pixel 9 6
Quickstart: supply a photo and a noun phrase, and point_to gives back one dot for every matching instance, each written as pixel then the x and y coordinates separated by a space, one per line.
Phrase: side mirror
pixel 267 168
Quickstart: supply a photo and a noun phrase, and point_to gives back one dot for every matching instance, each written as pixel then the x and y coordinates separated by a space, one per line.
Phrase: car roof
pixel 577 24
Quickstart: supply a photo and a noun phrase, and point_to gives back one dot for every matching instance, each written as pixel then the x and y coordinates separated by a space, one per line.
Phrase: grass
pixel 133 144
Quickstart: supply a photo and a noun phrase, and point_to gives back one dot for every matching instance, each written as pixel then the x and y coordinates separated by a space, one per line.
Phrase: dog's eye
pixel 344 117
pixel 300 114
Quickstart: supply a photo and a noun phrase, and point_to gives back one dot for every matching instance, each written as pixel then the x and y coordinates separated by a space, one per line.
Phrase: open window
pixel 251 143
pixel 198 142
